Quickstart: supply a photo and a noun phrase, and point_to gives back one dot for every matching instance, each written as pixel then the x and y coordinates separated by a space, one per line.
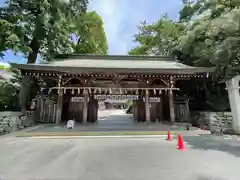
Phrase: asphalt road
pixel 204 158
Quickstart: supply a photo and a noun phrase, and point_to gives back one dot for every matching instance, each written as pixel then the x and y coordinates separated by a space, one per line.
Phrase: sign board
pixel 77 99
pixel 153 99
pixel 123 98
pixel 116 97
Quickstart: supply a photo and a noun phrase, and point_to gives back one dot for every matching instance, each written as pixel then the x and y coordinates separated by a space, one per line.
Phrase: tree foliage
pixel 9 98
pixel 8 39
pixel 206 34
pixel 9 89
pixel 40 26
pixel 157 39
pixel 91 38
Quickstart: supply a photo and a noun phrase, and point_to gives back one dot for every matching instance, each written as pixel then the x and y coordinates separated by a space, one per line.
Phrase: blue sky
pixel 121 18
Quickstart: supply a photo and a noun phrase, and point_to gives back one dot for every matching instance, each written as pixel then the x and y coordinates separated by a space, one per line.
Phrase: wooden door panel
pixel 76 111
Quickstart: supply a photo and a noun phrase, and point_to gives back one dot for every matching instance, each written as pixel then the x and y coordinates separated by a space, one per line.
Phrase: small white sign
pixel 116 97
pixel 153 99
pixel 77 99
pixel 70 124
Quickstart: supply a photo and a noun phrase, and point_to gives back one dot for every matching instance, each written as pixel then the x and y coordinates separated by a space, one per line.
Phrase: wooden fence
pixel 182 112
pixel 46 108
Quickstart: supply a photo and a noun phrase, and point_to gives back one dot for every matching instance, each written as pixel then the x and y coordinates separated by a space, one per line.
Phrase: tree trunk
pixel 24 92
pixel 27 81
pixel 35 46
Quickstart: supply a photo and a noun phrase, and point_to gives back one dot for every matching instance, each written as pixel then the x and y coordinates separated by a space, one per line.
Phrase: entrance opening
pixel 112 109
pixel 72 101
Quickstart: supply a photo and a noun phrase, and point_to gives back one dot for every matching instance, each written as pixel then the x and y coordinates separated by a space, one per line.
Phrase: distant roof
pixel 75 63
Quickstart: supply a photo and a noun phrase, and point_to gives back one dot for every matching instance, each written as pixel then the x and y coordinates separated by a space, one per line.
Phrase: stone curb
pixel 89 133
pixel 106 133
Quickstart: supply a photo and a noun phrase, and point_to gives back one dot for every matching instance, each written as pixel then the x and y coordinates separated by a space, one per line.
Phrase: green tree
pixel 190 8
pixel 91 38
pixel 9 99
pixel 206 34
pixel 41 26
pixel 8 37
pixel 158 38
pixel 9 90
pixel 213 39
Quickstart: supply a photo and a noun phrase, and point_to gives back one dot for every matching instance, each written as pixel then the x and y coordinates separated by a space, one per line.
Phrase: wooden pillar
pixel 171 101
pixel 147 110
pixel 171 106
pixel 59 107
pixel 59 101
pixel 134 106
pixel 97 107
pixel 92 109
pixel 161 109
pixel 85 106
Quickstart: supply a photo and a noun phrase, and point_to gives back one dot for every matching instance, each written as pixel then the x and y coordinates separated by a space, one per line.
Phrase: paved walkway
pixel 111 120
pixel 115 119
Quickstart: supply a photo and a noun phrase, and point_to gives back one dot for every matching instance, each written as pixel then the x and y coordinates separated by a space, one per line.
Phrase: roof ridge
pixel 115 57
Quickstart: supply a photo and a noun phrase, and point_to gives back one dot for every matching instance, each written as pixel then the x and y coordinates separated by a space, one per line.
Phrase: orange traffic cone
pixel 169 138
pixel 180 143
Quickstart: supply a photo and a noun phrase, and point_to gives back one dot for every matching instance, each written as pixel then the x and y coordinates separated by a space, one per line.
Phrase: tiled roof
pixel 71 63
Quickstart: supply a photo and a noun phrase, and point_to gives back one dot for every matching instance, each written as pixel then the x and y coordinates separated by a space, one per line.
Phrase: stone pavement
pixel 110 121
pixel 205 157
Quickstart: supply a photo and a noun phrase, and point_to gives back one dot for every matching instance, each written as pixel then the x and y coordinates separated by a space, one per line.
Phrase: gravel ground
pixel 205 157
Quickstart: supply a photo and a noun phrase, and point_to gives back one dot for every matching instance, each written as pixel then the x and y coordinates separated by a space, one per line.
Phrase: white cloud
pixel 121 18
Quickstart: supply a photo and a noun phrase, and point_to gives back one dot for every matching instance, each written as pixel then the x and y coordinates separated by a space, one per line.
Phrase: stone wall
pixel 12 121
pixel 213 121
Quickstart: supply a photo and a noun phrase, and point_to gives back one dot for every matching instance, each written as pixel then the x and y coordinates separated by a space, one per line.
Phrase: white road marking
pixel 117 136
pixel 227 138
pixel 11 142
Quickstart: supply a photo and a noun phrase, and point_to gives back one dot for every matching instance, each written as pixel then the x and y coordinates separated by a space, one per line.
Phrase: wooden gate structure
pixel 83 80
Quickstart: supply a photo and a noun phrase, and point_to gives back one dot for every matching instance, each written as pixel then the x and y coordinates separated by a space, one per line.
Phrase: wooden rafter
pixel 120 76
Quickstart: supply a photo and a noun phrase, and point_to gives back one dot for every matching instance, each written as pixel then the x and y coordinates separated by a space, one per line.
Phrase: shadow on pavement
pixel 211 142
pixel 113 122
pixel 204 177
